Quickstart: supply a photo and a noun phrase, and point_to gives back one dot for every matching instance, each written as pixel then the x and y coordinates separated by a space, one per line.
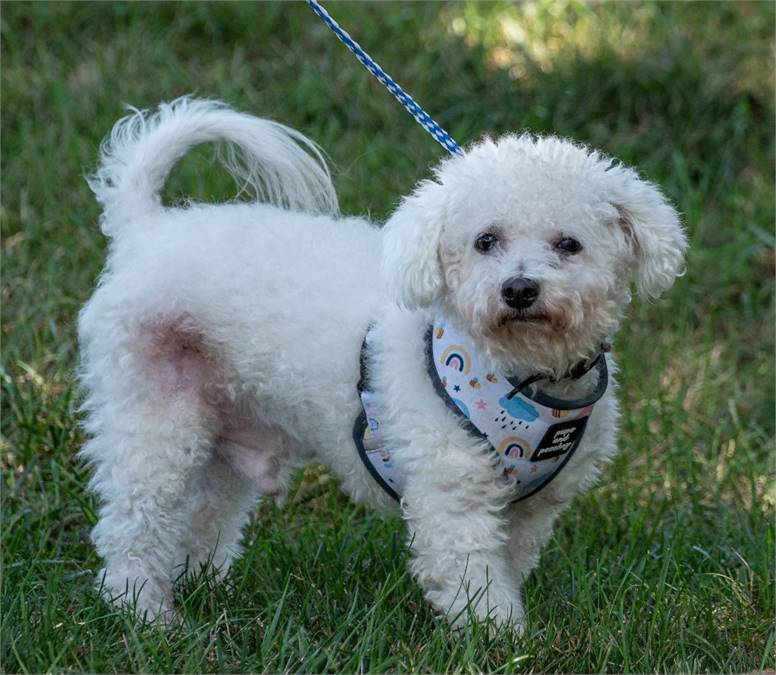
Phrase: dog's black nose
pixel 519 292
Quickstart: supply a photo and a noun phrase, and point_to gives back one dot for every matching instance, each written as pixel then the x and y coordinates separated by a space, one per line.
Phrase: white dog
pixel 222 349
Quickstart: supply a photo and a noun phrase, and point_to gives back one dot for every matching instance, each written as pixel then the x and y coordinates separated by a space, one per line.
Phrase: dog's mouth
pixel 521 317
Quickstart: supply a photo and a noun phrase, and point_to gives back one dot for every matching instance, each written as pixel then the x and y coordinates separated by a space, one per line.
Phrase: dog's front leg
pixel 454 508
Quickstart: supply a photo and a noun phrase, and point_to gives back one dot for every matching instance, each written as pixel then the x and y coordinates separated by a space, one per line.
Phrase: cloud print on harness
pixel 518 408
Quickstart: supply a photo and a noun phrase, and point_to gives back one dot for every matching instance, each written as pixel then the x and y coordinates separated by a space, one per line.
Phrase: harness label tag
pixel 560 439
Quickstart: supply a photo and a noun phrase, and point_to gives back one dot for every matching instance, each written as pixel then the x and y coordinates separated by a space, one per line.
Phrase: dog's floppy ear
pixel 654 232
pixel 410 259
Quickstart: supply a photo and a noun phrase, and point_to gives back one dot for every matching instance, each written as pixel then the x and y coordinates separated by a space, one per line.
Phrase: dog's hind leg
pixel 220 507
pixel 250 459
pixel 152 431
pixel 142 476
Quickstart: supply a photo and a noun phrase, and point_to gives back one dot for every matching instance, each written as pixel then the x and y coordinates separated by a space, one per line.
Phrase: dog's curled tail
pixel 280 165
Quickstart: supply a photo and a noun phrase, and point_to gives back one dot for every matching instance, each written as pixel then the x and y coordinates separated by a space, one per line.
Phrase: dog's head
pixel 530 244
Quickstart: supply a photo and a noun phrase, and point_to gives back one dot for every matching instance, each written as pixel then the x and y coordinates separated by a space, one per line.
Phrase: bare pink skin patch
pixel 255 452
pixel 184 365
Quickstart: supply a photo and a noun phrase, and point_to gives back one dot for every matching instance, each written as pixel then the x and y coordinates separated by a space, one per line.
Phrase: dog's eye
pixel 485 242
pixel 569 245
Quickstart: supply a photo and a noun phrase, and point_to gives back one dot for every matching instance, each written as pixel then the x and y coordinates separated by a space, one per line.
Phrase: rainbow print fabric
pixel 533 440
pixel 533 435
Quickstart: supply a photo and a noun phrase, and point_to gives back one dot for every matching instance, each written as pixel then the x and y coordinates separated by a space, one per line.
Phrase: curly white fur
pixel 221 347
pixel 268 158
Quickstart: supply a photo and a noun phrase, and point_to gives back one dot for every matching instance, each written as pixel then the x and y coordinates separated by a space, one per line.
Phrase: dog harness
pixel 533 434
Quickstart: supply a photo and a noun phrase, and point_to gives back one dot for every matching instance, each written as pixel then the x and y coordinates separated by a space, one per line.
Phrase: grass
pixel 666 567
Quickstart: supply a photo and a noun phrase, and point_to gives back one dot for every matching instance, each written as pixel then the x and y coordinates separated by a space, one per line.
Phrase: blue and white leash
pixel 420 115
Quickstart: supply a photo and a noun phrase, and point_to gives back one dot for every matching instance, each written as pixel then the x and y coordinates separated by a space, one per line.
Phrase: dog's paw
pixel 498 609
pixel 496 621
pixel 148 602
pixel 510 618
